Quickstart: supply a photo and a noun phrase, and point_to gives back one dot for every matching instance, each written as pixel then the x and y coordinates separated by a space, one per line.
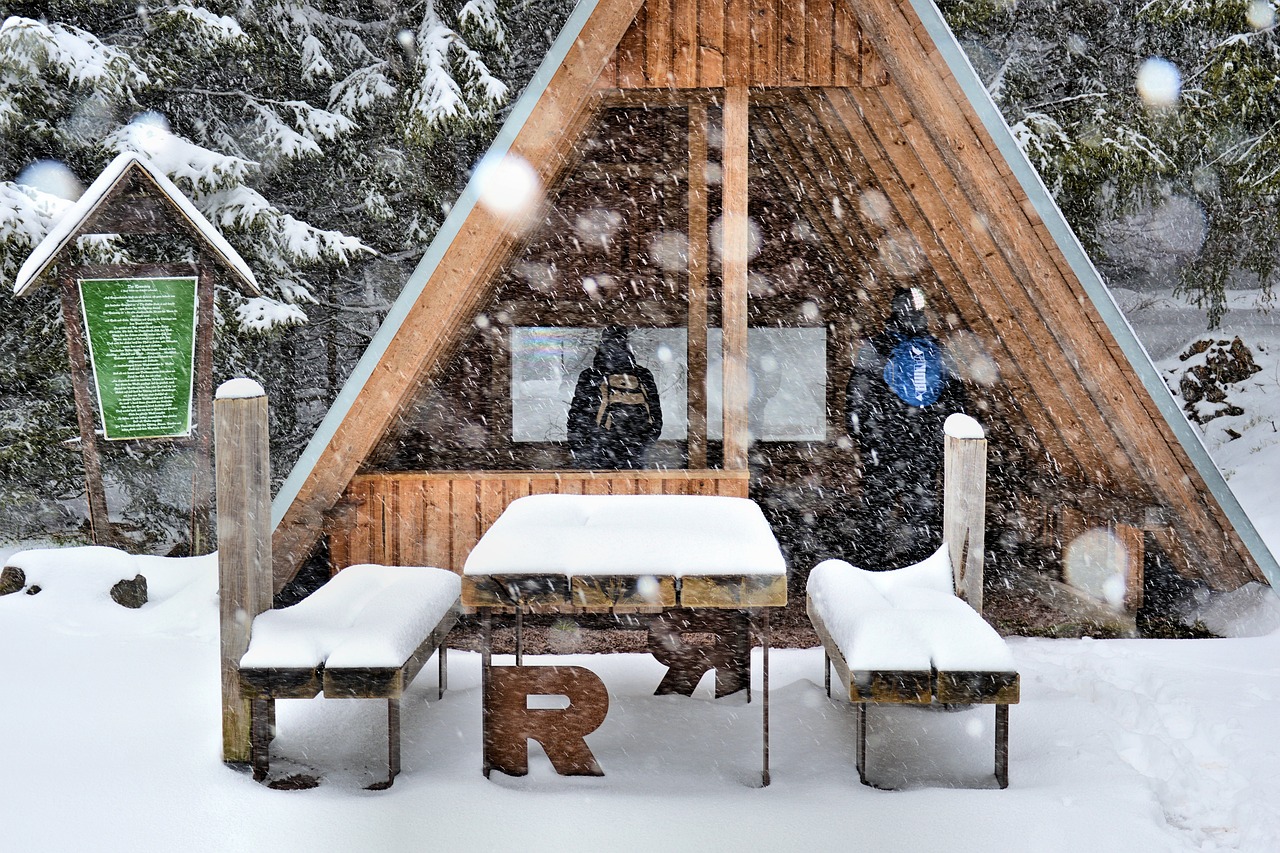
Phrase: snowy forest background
pixel 328 139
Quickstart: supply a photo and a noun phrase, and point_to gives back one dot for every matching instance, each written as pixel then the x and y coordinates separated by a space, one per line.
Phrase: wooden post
pixel 733 267
pixel 965 505
pixel 99 524
pixel 201 480
pixel 243 472
pixel 696 325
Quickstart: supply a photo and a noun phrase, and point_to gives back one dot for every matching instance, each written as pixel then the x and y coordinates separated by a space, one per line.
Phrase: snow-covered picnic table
pixel 658 554
pixel 365 634
pixel 904 637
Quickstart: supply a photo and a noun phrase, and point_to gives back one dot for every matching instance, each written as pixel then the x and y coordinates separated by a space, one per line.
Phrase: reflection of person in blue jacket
pixel 901 390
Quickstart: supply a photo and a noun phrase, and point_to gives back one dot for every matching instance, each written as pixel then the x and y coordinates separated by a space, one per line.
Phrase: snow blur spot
pixel 1096 563
pixel 768 364
pixel 482 321
pixel 508 185
pixel 539 276
pixel 809 310
pixel 406 39
pixel 899 255
pixel 803 231
pixel 151 119
pixel 875 206
pixel 754 237
pixel 975 728
pixel 669 251
pixel 1159 83
pixel 714 174
pixel 664 354
pixel 971 358
pixel 1261 15
pixel 647 588
pixel 596 226
pixel 52 178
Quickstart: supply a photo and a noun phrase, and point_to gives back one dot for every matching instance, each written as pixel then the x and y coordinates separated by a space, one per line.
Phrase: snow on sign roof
pixel 65 229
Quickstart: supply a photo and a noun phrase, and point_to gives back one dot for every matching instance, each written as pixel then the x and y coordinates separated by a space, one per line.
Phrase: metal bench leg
pixel 393 739
pixel 443 663
pixel 862 743
pixel 261 714
pixel 1002 745
pixel 764 642
pixel 486 660
pixel 826 672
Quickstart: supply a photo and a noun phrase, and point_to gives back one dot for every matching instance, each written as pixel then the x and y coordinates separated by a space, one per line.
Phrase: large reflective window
pixel 787 370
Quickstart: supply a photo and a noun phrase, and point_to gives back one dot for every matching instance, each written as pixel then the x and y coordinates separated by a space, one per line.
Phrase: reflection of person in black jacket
pixel 615 416
pixel 899 435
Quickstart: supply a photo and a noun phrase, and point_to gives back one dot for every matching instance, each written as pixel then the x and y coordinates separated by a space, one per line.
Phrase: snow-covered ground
pixel 110 735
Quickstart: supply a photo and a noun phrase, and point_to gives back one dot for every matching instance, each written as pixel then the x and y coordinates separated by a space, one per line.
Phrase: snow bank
pixel 75 586
pixel 628 535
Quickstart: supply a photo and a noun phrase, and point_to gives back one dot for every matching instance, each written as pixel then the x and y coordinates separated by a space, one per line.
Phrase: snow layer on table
pixel 959 425
pixel 906 619
pixel 93 196
pixel 365 616
pixel 628 535
pixel 239 389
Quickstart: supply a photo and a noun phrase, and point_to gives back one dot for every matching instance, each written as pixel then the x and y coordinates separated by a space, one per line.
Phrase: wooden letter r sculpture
pixel 510 723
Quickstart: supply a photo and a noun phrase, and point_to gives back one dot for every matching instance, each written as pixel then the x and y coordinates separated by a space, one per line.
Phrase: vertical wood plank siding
pixel 689 44
pixel 436 518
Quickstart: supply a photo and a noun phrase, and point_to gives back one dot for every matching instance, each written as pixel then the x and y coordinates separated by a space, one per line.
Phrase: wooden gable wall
pixel 690 44
pixel 882 112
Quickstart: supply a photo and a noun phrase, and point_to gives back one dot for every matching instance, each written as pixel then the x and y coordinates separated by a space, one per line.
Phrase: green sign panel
pixel 141 335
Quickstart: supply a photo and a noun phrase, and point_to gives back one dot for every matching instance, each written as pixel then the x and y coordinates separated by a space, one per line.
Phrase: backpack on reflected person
pixel 624 404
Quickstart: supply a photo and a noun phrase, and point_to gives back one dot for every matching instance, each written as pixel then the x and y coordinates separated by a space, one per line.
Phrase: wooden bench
pixel 903 637
pixel 366 634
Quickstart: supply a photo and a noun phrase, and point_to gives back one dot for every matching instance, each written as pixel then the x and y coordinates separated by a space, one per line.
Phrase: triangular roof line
pixel 571 38
pixel 97 198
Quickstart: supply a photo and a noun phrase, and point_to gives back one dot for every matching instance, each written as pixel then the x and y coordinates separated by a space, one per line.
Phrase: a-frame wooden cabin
pixel 781 167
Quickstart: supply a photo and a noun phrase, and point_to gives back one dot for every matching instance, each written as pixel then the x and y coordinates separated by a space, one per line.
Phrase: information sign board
pixel 141 334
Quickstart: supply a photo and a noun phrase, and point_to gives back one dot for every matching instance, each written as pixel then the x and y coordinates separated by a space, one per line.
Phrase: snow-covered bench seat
pixel 363 635
pixel 903 637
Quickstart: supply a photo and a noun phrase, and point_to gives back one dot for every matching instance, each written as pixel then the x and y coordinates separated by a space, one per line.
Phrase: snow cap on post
pixel 960 425
pixel 239 389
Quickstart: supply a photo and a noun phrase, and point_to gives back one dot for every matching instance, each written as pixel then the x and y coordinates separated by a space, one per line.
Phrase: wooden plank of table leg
pixel 734 591
pixel 600 593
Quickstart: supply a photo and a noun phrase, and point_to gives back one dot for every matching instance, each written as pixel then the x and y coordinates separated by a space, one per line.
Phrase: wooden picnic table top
pixel 627 553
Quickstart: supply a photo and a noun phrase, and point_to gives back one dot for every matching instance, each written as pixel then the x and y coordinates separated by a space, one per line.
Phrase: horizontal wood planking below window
pixel 435 518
